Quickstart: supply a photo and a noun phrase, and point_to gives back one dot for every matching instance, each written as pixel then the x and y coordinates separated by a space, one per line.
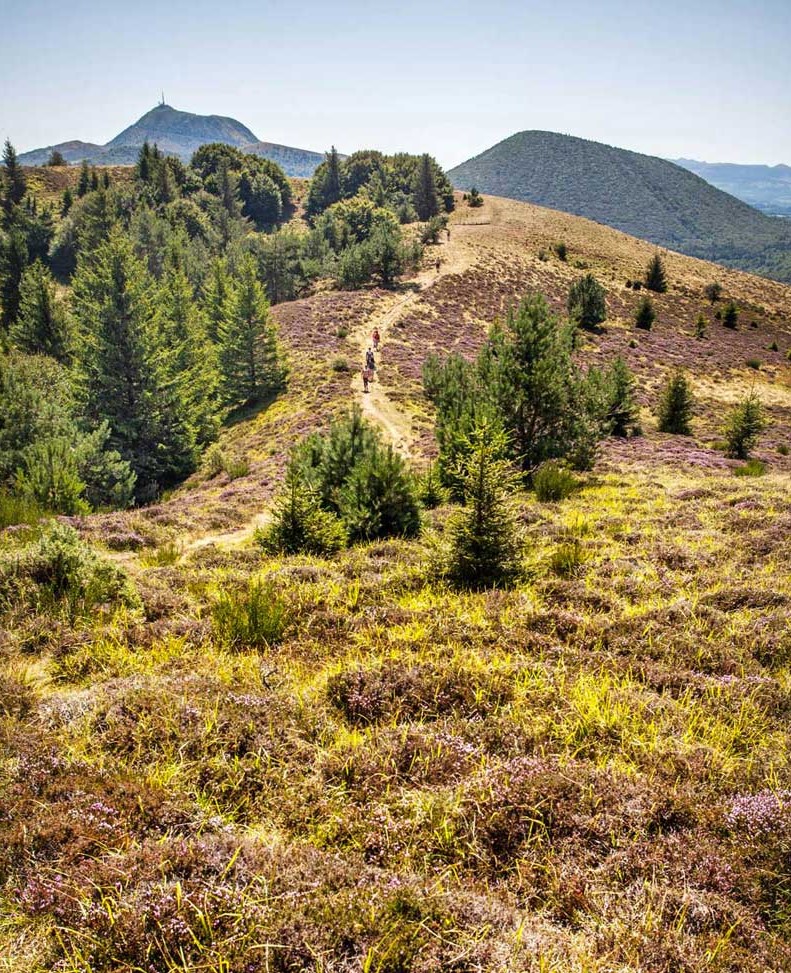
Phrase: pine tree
pixel 586 304
pixel 655 277
pixel 143 167
pixel 744 425
pixel 620 404
pixel 56 159
pixel 42 326
pixel 217 295
pixel 425 192
pixel 106 179
pixel 68 202
pixel 124 367
pixel 484 538
pixel 730 316
pixel 299 524
pixel 15 182
pixel 251 364
pixel 190 356
pixel 94 180
pixel 84 183
pixel 676 405
pixel 379 498
pixel 333 186
pixel 13 261
pixel 228 190
pixel 701 327
pixel 645 315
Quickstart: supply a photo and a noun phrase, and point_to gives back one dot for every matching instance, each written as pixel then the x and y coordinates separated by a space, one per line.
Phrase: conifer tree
pixel 620 404
pixel 645 315
pixel 743 426
pixel 586 304
pixel 655 277
pixel 425 193
pixel 84 182
pixel 676 405
pixel 42 326
pixel 13 261
pixel 94 180
pixel 106 179
pixel 333 186
pixel 299 524
pixel 379 498
pixel 190 356
pixel 126 378
pixel 217 295
pixel 14 178
pixel 730 316
pixel 68 201
pixel 251 364
pixel 143 167
pixel 484 546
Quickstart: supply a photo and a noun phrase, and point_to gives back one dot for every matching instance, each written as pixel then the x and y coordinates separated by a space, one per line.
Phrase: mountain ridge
pixel 767 188
pixel 177 133
pixel 645 196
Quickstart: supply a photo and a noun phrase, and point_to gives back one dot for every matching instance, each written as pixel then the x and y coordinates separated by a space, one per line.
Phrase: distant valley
pixel 768 188
pixel 178 133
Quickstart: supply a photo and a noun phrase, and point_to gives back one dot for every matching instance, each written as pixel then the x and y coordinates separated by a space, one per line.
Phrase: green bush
pixel 713 291
pixel 380 498
pixel 553 482
pixel 474 200
pixel 586 303
pixel 253 618
pixel 676 405
pixel 701 327
pixel 431 231
pixel 743 426
pixel 561 250
pixel 753 467
pixel 754 363
pixel 645 315
pixel 430 490
pixel 730 316
pixel 620 407
pixel 59 572
pixel 299 525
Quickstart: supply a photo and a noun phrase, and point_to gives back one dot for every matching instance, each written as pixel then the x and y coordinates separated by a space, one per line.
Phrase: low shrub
pixel 567 558
pixel 254 618
pixel 561 250
pixel 341 365
pixel 754 363
pixel 59 572
pixel 553 482
pixel 645 315
pixel 753 467
pixel 18 510
pixel 730 316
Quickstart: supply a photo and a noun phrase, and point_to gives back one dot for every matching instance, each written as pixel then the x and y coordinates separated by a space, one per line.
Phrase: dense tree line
pixel 150 301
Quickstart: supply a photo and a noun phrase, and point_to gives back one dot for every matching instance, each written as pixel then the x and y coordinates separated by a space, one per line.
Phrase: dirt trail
pixel 377 404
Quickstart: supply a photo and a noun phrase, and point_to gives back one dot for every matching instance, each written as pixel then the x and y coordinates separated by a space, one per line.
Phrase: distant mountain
pixel 639 194
pixel 178 133
pixel 768 188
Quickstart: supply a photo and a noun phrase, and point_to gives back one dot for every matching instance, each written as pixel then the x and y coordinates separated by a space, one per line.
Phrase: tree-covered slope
pixel 642 195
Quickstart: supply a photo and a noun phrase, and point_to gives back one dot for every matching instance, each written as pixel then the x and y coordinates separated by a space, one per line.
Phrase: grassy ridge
pixel 642 195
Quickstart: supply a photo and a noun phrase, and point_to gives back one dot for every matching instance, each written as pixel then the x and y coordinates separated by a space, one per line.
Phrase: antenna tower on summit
pixel 163 98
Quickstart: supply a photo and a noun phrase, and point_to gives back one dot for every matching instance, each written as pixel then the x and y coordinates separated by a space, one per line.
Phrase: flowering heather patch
pixel 761 813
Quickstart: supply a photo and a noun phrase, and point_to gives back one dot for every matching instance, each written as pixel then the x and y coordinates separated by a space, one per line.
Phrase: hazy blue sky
pixel 707 79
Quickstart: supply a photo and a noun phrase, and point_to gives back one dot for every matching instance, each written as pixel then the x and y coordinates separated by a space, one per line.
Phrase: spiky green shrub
pixel 430 490
pixel 701 327
pixel 645 315
pixel 553 482
pixel 561 250
pixel 254 618
pixel 676 405
pixel 484 545
pixel 586 303
pixel 299 524
pixel 713 291
pixel 743 426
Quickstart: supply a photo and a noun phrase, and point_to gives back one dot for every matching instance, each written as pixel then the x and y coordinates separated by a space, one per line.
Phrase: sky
pixel 701 79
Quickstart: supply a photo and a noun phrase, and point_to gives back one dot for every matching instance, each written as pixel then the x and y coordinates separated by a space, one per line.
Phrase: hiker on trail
pixel 366 378
pixel 376 339
pixel 370 361
pixel 447 230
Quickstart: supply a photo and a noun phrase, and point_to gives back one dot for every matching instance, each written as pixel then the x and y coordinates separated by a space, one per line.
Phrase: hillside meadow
pixel 218 760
